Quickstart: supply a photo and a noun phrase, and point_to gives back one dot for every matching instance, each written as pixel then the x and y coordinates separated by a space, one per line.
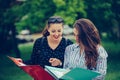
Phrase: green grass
pixel 9 71
pixel 111 47
pixel 113 71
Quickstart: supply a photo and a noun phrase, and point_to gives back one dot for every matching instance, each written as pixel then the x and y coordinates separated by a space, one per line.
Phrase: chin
pixel 77 41
pixel 56 39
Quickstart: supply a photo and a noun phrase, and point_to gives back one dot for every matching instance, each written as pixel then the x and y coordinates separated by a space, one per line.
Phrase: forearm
pixel 101 68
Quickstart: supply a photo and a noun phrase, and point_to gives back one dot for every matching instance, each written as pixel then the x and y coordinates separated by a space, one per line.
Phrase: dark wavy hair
pixel 88 37
pixel 51 20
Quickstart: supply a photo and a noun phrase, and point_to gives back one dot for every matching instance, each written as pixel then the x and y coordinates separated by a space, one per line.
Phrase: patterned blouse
pixel 73 58
pixel 42 52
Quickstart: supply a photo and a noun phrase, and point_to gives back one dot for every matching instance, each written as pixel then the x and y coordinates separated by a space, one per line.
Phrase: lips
pixel 56 37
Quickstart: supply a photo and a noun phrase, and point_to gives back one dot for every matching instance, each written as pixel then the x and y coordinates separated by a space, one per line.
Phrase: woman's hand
pixel 55 62
pixel 19 59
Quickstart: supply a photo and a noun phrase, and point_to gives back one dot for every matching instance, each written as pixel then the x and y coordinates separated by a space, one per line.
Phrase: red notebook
pixel 35 71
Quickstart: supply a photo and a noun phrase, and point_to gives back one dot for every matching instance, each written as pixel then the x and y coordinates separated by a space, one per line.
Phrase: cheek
pixel 76 38
pixel 51 33
pixel 56 34
pixel 61 33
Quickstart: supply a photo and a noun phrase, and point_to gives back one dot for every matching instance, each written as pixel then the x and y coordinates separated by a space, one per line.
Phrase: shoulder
pixel 102 52
pixel 39 40
pixel 72 46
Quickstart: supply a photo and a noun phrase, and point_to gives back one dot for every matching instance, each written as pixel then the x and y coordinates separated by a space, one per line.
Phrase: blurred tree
pixel 34 14
pixel 99 12
pixel 29 14
pixel 70 10
pixel 8 41
pixel 115 30
pixel 104 14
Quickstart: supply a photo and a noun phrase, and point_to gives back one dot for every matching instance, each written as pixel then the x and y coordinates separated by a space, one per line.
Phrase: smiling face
pixel 55 31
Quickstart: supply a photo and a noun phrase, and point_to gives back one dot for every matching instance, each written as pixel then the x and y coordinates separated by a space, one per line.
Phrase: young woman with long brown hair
pixel 87 52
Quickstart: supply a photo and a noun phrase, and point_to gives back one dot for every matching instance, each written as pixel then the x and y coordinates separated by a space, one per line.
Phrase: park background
pixel 17 15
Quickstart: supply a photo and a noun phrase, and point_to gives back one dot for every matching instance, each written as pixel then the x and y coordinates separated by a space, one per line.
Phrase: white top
pixel 73 59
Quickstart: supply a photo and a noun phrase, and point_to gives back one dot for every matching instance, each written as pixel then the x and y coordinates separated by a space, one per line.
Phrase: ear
pixel 47 33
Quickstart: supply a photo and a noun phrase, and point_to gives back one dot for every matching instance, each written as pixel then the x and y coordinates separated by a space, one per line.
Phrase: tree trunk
pixel 14 41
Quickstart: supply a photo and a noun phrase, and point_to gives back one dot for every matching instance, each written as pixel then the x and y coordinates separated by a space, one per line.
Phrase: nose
pixel 56 33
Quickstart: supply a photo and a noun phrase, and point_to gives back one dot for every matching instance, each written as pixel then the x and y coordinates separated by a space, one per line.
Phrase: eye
pixel 59 30
pixel 53 31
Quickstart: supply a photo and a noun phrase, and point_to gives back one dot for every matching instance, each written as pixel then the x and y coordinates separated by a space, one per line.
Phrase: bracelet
pixel 61 64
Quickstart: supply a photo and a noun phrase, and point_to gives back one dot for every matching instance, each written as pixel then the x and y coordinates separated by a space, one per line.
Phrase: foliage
pixel 7 27
pixel 35 13
pixel 18 15
pixel 103 14
pixel 70 10
pixel 32 14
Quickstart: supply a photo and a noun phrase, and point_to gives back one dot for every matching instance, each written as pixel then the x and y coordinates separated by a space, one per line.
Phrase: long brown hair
pixel 88 38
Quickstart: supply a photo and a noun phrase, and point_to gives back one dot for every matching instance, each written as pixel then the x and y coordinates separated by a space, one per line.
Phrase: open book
pixel 35 71
pixel 74 74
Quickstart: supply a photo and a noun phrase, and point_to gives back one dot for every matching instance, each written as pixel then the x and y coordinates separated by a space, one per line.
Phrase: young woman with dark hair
pixel 49 49
pixel 87 52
